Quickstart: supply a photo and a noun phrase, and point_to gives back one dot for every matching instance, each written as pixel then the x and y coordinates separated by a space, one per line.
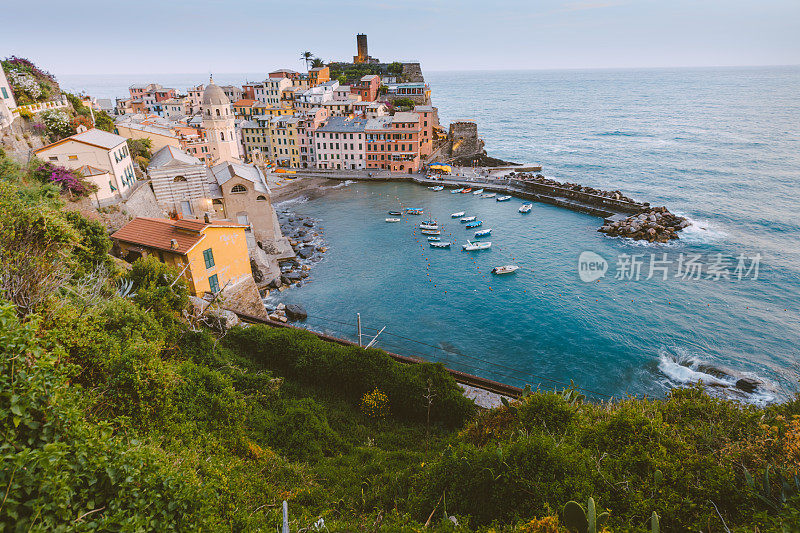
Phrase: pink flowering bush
pixel 69 180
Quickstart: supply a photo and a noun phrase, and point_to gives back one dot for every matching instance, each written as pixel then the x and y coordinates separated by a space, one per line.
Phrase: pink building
pixel 367 87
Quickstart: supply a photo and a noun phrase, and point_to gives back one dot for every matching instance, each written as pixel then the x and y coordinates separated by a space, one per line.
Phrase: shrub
pixel 353 371
pixel 375 404
pixel 57 123
pixel 69 180
pixel 302 432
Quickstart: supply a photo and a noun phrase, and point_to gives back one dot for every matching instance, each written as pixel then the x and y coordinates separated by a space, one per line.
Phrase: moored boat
pixel 456 215
pixel 503 198
pixel 393 219
pixel 436 188
pixel 483 233
pixel 430 232
pixel 505 269
pixel 456 191
pixel 439 244
pixel 474 224
pixel 526 208
pixel 467 219
pixel 396 213
pixel 489 195
pixel 472 246
pixel 479 191
pixel 426 225
pixel 414 211
pixel 434 239
pixel 465 191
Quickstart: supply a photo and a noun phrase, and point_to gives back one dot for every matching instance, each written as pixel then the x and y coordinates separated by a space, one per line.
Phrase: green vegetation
pixel 351 72
pixel 29 83
pixel 141 152
pixel 405 103
pixel 117 414
pixel 101 119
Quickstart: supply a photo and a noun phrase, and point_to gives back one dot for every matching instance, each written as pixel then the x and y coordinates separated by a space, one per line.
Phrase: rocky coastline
pixel 653 225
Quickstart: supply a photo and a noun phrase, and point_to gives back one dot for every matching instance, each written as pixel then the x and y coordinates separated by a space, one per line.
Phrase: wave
pixel 701 231
pixel 620 133
pixel 345 183
pixel 683 369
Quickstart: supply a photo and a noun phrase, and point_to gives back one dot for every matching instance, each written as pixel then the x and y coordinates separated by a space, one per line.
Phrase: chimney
pixel 206 218
pixel 173 244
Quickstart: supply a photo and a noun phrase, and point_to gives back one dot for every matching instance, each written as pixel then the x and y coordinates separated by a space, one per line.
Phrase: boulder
pixel 275 283
pixel 280 307
pixel 285 280
pixel 747 385
pixel 306 252
pixel 296 312
pixel 293 276
pixel 308 224
pixel 223 318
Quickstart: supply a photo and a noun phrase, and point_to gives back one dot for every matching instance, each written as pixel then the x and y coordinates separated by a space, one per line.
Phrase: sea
pixel 612 317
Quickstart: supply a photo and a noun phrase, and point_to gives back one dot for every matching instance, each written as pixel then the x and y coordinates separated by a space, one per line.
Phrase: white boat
pixel 437 188
pixel 393 219
pixel 430 232
pixel 483 233
pixel 456 215
pixel 426 225
pixel 489 195
pixel 472 246
pixel 456 191
pixel 467 219
pixel 506 269
pixel 479 191
pixel 434 239
pixel 526 208
pixel 414 211
pixel 503 198
pixel 440 244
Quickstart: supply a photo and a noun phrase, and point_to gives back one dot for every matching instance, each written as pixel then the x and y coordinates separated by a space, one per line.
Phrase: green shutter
pixel 213 283
pixel 208 255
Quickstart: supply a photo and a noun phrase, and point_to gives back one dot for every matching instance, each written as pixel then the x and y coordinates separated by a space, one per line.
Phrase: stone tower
pixel 361 48
pixel 218 122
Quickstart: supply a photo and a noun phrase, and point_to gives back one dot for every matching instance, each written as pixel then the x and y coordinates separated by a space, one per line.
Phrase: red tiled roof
pixel 159 232
pixel 244 102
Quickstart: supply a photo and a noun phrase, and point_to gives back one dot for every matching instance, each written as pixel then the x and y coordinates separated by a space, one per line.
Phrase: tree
pixel 141 151
pixel 395 68
pixel 317 62
pixel 306 56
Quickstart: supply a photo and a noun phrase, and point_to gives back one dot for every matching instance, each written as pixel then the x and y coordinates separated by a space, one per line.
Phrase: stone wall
pixel 245 298
pixel 142 203
pixel 412 73
pixel 463 139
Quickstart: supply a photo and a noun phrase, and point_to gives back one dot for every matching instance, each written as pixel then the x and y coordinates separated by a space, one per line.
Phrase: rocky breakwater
pixel 576 187
pixel 284 313
pixel 655 224
pixel 305 238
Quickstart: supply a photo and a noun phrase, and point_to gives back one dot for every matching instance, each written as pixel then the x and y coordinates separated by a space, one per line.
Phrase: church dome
pixel 213 95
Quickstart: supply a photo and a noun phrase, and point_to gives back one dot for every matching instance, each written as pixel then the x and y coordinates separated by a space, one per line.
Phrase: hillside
pixel 120 410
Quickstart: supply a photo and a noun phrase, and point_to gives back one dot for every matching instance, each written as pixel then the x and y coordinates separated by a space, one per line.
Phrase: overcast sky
pixel 176 36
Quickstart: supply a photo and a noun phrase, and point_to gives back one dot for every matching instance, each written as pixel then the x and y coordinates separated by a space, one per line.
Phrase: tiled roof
pixel 343 124
pixel 244 102
pixel 406 117
pixel 159 233
pixel 93 137
pixel 168 154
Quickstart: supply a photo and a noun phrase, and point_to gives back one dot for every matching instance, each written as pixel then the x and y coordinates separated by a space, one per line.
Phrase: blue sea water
pixel 720 146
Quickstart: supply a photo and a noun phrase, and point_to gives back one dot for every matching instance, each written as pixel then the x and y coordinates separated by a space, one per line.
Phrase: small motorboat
pixel 465 191
pixel 468 219
pixel 526 208
pixel 393 219
pixel 483 233
pixel 489 195
pixel 440 244
pixel 506 269
pixel 434 239
pixel 456 191
pixel 426 225
pixel 430 232
pixel 437 188
pixel 414 211
pixel 472 246
pixel 456 215
pixel 474 224
pixel 479 191
pixel 396 213
pixel 503 198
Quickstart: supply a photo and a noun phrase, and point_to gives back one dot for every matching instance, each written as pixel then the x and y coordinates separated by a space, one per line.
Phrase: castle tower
pixel 218 121
pixel 361 46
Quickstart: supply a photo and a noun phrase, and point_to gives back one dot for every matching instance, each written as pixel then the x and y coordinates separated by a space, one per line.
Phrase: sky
pixel 177 36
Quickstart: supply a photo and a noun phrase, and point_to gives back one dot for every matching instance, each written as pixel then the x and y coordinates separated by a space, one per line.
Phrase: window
pixel 53 158
pixel 213 283
pixel 238 188
pixel 261 198
pixel 73 157
pixel 208 256
pixel 180 178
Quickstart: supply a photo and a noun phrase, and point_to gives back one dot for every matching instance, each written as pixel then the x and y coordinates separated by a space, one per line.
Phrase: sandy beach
pixel 310 187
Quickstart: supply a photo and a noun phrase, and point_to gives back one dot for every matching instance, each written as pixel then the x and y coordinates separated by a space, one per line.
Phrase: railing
pixel 42 106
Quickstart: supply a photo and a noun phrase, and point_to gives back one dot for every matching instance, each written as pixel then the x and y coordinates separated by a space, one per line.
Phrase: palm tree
pixel 317 62
pixel 306 56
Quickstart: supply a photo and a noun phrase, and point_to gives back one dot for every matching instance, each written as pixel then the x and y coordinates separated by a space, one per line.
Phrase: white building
pixel 269 91
pixel 219 123
pixel 340 143
pixel 180 182
pixel 7 103
pixel 100 150
pixel 319 94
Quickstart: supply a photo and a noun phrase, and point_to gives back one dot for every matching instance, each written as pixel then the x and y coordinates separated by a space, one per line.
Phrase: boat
pixel 472 246
pixel 468 219
pixel 396 213
pixel 414 211
pixel 474 224
pixel 479 191
pixel 393 219
pixel 430 232
pixel 483 233
pixel 505 269
pixel 425 225
pixel 437 188
pixel 465 191
pixel 434 239
pixel 456 191
pixel 456 215
pixel 439 244
pixel 526 208
pixel 503 198
pixel 489 195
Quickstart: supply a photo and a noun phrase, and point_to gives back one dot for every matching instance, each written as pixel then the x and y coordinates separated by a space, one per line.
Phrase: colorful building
pixel 318 75
pixel 367 87
pixel 339 143
pixel 393 143
pixel 209 255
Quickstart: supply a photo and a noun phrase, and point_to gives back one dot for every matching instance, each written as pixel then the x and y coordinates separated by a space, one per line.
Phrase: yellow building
pixel 284 140
pixel 210 255
pixel 318 76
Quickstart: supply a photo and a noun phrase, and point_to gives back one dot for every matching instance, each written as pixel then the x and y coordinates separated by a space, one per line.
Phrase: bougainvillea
pixel 58 123
pixel 68 180
pixel 29 83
